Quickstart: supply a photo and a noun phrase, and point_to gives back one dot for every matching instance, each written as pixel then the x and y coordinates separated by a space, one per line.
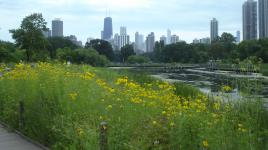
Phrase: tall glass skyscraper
pixel 250 20
pixel 57 28
pixel 108 29
pixel 263 18
pixel 214 29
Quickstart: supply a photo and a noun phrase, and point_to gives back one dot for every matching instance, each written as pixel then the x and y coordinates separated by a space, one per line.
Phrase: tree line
pixel 223 48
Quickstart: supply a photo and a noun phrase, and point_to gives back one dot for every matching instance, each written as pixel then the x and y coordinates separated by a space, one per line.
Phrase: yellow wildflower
pixel 205 144
pixel 73 96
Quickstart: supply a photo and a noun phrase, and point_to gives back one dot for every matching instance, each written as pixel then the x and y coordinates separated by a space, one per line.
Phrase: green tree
pixel 137 59
pixel 158 50
pixel 29 36
pixel 103 48
pixel 82 56
pixel 9 52
pixel 179 52
pixel 59 42
pixel 127 51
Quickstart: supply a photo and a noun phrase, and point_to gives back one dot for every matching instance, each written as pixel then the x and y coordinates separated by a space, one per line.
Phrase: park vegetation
pixel 65 104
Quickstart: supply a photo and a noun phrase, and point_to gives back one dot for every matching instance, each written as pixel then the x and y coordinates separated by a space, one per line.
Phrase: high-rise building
pixel 205 40
pixel 168 36
pixel 108 29
pixel 214 29
pixel 196 41
pixel 123 30
pixel 263 18
pixel 150 42
pixel 116 41
pixel 123 38
pixel 174 39
pixel 139 43
pixel 163 39
pixel 238 37
pixel 250 20
pixel 57 28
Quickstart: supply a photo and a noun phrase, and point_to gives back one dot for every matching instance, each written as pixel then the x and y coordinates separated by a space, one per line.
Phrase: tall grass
pixel 264 69
pixel 64 106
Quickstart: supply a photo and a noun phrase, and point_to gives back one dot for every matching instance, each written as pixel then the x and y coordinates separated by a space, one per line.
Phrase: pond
pixel 211 82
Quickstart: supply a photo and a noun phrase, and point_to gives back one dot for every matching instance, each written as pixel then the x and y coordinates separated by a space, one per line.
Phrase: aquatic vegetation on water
pixel 64 105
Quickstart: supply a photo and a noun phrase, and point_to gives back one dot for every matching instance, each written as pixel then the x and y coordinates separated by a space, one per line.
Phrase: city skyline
pixel 87 19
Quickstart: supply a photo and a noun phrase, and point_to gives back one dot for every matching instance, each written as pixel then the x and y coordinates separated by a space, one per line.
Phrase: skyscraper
pixel 250 20
pixel 168 36
pixel 108 29
pixel 137 42
pixel 214 29
pixel 263 18
pixel 163 39
pixel 57 28
pixel 116 41
pixel 174 39
pixel 123 30
pixel 150 42
pixel 238 37
pixel 196 41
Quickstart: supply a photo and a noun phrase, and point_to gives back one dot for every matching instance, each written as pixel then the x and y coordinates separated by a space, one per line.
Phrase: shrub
pixel 137 59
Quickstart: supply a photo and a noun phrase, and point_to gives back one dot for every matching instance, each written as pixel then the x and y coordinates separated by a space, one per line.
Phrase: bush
pixel 138 59
pixel 81 56
pixel 9 53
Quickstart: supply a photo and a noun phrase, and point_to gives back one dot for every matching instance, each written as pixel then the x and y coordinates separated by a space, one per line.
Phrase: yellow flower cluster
pixel 104 85
pixel 73 96
pixel 205 144
pixel 227 89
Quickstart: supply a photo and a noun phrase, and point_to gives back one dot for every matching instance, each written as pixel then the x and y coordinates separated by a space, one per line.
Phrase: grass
pixel 264 69
pixel 64 106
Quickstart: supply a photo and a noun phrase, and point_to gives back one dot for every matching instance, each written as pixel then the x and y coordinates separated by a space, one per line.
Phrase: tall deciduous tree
pixel 102 47
pixel 29 36
pixel 127 51
pixel 59 42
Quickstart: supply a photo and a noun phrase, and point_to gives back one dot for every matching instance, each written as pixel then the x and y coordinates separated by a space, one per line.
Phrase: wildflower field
pixel 65 104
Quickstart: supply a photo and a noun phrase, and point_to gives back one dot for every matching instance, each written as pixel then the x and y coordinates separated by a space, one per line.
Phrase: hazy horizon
pixel 188 19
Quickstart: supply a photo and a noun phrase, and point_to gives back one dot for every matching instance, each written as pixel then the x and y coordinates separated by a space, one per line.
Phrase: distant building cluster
pixel 122 39
pixel 57 31
pixel 202 41
pixel 251 21
pixel 255 18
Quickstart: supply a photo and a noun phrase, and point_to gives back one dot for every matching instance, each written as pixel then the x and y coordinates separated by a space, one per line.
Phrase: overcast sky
pixel 84 18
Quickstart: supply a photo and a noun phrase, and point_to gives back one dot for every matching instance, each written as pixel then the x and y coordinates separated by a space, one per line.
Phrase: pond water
pixel 211 82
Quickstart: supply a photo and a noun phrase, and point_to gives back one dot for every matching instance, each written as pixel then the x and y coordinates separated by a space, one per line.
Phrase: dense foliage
pixel 59 42
pixel 127 51
pixel 82 56
pixel 103 47
pixel 224 48
pixel 9 53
